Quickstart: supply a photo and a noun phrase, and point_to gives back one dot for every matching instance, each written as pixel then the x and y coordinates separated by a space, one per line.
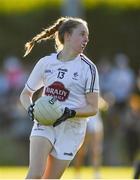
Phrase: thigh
pixel 55 168
pixel 40 147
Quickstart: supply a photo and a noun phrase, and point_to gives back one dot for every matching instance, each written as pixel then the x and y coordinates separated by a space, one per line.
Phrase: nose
pixel 86 39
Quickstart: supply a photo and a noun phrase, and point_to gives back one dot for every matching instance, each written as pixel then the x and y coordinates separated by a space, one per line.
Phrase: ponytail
pixel 44 35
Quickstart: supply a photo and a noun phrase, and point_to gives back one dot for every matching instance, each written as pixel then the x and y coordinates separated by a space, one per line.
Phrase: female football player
pixel 73 79
pixel 93 142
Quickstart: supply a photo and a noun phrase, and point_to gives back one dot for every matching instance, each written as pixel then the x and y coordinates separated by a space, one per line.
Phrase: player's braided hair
pixel 56 31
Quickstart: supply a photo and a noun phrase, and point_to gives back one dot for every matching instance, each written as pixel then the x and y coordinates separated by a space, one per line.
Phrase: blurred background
pixel 114 44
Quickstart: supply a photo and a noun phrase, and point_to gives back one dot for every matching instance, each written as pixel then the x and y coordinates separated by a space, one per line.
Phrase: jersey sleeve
pixel 92 83
pixel 35 80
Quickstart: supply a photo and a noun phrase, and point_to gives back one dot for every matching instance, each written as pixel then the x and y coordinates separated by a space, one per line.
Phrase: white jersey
pixel 69 81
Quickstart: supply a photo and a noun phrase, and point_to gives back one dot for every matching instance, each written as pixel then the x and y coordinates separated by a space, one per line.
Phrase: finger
pixel 57 123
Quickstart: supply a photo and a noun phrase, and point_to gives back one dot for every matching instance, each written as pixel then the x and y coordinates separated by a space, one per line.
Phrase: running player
pixel 137 170
pixel 71 77
pixel 93 144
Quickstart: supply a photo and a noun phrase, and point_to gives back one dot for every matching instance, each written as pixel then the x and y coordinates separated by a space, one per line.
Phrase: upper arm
pixel 35 80
pixel 92 82
pixel 92 99
pixel 92 87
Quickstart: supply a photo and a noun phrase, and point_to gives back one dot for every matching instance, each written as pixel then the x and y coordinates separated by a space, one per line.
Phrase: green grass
pixel 113 3
pixel 18 6
pixel 86 173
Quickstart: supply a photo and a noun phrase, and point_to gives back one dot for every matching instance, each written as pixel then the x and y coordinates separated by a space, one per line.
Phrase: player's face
pixel 79 38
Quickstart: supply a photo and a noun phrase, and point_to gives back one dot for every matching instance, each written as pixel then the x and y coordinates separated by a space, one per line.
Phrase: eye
pixel 82 33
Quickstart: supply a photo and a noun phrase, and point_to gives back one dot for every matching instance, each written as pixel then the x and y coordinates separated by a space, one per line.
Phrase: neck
pixel 65 55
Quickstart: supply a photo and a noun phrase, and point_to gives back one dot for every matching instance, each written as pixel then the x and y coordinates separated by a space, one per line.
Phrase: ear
pixel 67 36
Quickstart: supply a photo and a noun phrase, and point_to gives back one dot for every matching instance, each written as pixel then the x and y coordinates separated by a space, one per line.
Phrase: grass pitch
pixel 85 173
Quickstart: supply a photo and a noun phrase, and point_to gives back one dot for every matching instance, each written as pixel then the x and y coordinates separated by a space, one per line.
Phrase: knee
pixel 32 174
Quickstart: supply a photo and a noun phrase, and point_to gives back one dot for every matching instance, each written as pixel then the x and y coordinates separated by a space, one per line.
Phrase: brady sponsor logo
pixel 58 90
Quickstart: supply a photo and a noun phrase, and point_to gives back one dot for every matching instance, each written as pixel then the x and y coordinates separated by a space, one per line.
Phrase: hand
pixel 30 112
pixel 68 113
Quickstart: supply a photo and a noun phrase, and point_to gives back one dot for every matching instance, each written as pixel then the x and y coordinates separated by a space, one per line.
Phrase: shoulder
pixel 87 62
pixel 47 58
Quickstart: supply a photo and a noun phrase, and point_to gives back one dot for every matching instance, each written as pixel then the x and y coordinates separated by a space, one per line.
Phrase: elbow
pixel 21 97
pixel 95 111
pixel 25 98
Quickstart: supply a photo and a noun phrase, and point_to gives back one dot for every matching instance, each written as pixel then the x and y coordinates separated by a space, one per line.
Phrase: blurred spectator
pixel 93 144
pixel 122 79
pixel 117 83
pixel 4 85
pixel 137 159
pixel 12 79
pixel 104 67
pixel 131 127
pixel 138 81
pixel 137 170
pixel 14 73
pixel 121 86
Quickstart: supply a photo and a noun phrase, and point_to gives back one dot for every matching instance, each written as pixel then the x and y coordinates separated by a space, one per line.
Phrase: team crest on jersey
pixel 58 90
pixel 75 76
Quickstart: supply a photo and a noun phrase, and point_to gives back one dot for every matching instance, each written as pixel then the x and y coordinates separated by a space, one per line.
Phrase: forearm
pixel 77 113
pixel 86 111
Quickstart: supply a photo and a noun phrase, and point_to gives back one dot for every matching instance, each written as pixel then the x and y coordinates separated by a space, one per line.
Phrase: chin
pixel 79 51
